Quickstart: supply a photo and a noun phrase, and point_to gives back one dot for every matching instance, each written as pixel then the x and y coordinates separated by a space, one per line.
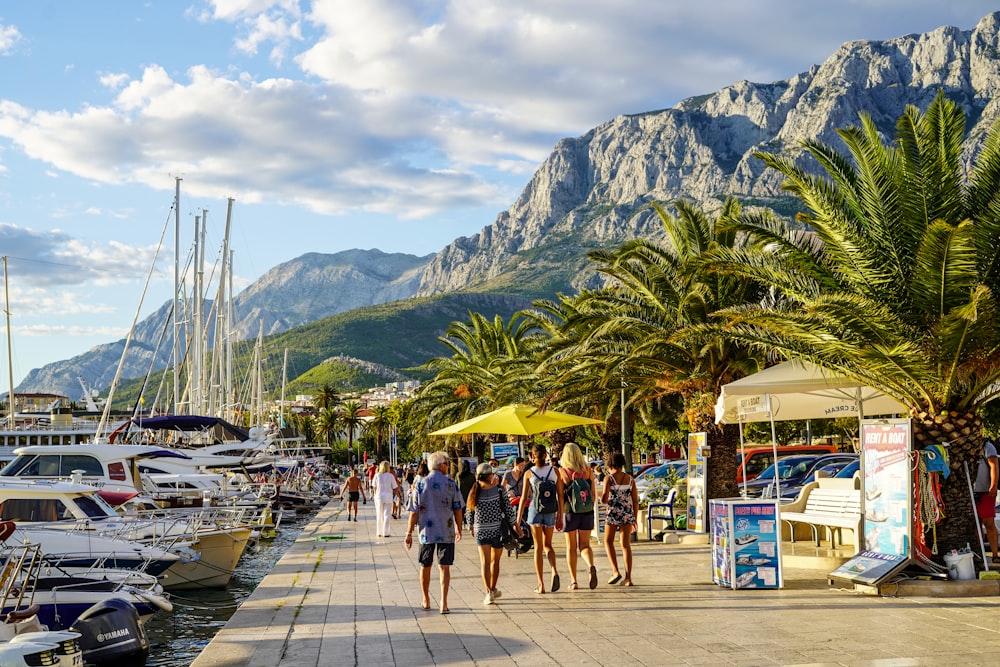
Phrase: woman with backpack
pixel 542 498
pixel 622 499
pixel 581 492
pixel 489 505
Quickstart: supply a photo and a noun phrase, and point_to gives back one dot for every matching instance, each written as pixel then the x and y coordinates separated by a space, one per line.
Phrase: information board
pixel 869 567
pixel 746 546
pixel 887 487
pixel 696 520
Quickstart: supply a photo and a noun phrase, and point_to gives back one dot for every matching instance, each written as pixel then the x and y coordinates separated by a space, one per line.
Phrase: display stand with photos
pixel 886 505
pixel 746 543
pixel 698 453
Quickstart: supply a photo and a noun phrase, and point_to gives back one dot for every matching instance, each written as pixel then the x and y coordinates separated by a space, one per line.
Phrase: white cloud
pixel 425 107
pixel 10 37
pixel 45 259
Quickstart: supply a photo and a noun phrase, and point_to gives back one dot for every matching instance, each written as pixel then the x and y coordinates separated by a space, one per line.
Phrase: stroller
pixel 518 545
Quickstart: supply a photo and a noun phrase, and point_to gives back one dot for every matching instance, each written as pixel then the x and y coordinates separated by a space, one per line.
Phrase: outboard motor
pixel 110 633
pixel 66 649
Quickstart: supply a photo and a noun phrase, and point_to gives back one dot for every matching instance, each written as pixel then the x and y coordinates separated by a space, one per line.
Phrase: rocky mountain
pixel 594 190
pixel 303 290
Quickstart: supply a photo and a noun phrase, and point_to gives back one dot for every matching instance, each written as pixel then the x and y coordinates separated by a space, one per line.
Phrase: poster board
pixel 887 487
pixel 746 543
pixel 870 567
pixel 886 504
pixel 505 453
pixel 697 510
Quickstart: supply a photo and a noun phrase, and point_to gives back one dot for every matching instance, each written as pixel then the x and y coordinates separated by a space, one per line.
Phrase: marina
pixel 177 639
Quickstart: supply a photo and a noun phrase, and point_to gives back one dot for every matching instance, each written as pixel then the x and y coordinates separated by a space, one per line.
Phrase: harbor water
pixel 176 639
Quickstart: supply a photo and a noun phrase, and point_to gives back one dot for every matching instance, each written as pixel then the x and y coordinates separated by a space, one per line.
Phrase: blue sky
pixel 334 124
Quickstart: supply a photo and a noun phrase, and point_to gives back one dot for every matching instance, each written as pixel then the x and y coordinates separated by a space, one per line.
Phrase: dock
pixel 342 596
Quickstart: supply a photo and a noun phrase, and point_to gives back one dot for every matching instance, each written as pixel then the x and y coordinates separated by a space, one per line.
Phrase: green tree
pixel 351 421
pixel 328 426
pixel 378 428
pixel 491 364
pixel 326 398
pixel 644 334
pixel 893 280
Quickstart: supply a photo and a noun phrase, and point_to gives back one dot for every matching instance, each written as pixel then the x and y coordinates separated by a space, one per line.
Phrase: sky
pixel 332 124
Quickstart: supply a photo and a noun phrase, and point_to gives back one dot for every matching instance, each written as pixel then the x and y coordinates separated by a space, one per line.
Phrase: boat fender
pixel 157 601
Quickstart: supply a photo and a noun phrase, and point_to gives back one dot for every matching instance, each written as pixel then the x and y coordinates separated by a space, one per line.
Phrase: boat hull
pixel 218 553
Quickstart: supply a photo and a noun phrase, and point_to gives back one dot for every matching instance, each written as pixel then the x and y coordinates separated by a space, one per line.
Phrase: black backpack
pixel 544 500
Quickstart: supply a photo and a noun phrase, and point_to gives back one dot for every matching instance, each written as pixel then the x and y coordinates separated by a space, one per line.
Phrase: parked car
pixel 640 468
pixel 793 473
pixel 756 459
pixel 849 470
pixel 657 476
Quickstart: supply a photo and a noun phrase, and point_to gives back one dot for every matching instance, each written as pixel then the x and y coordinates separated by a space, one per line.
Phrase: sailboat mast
pixel 194 354
pixel 10 353
pixel 177 286
pixel 284 379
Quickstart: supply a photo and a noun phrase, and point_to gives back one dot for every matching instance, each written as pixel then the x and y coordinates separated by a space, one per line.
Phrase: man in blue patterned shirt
pixel 436 507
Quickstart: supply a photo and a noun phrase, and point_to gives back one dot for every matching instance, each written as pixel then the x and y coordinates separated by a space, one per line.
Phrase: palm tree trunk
pixel 723 441
pixel 963 436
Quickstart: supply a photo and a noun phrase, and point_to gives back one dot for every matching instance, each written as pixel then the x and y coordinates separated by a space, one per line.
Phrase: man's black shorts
pixel 445 553
pixel 352 496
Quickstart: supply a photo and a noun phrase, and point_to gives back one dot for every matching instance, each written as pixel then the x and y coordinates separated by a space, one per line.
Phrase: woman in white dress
pixel 385 490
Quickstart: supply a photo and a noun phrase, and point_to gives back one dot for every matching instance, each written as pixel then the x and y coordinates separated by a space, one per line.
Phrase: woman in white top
pixel 542 518
pixel 385 490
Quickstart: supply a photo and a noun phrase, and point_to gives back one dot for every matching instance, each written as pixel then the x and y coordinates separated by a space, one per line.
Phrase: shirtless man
pixel 354 489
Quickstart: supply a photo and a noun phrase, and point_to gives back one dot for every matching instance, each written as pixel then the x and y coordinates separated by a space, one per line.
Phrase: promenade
pixel 355 600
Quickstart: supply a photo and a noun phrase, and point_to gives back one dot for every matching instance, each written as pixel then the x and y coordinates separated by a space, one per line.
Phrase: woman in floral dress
pixel 621 498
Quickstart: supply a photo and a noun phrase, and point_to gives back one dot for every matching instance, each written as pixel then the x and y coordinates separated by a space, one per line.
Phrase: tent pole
pixel 743 456
pixel 774 448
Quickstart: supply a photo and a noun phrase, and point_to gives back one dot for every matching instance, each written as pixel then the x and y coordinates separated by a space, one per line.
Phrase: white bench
pixel 832 504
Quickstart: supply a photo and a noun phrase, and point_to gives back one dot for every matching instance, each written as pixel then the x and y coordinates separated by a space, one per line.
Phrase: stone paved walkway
pixel 356 601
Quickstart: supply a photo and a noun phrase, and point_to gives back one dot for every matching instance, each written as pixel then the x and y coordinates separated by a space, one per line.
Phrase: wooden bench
pixel 832 504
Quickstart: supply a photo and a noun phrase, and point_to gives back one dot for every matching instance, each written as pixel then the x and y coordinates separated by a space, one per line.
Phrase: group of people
pixel 555 497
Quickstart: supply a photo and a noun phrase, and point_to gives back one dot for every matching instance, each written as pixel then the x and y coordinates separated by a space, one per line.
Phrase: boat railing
pixel 19 576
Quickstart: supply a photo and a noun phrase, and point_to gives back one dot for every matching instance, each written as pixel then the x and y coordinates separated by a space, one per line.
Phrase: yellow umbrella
pixel 516 420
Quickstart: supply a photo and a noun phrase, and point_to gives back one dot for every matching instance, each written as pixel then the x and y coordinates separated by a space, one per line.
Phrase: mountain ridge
pixel 594 190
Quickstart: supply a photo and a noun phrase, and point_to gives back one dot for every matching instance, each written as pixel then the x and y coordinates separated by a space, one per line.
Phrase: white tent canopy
pixel 799 390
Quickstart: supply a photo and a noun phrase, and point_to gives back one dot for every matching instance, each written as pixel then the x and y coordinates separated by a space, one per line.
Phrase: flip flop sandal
pixel 573 586
pixel 554 586
pixel 446 611
pixel 614 580
pixel 540 590
pixel 593 577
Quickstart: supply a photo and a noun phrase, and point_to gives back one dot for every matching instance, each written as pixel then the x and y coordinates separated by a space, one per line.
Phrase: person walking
pixel 466 480
pixel 436 509
pixel 985 493
pixel 513 479
pixel 581 493
pixel 354 488
pixel 385 489
pixel 488 506
pixel 622 499
pixel 544 493
pixel 421 472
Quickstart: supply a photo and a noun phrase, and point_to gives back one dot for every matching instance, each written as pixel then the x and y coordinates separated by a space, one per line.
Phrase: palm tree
pixel 635 336
pixel 893 282
pixel 328 426
pixel 378 427
pixel 491 364
pixel 326 398
pixel 351 421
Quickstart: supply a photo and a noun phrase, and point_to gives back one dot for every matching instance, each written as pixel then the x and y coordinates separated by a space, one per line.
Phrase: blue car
pixel 794 472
